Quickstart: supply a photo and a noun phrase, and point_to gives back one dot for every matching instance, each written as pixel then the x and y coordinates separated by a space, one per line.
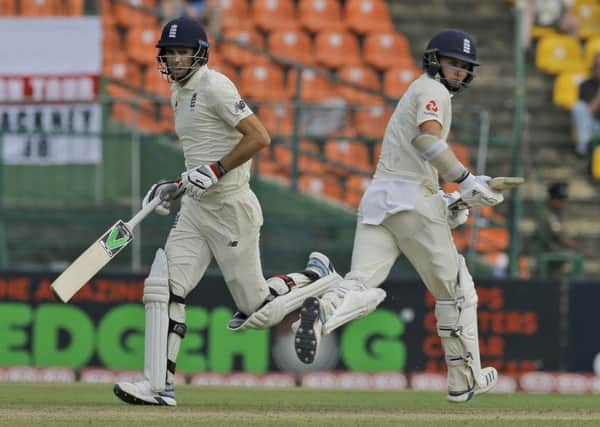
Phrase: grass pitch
pixel 94 404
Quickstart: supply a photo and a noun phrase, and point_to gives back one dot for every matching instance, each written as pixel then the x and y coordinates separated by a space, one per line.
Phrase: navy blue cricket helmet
pixel 450 43
pixel 183 32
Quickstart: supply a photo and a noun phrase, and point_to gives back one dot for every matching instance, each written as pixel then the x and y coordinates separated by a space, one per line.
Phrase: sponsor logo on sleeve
pixel 240 106
pixel 431 108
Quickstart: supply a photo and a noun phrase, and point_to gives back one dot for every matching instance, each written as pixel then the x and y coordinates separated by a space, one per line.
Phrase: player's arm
pixel 474 189
pixel 255 138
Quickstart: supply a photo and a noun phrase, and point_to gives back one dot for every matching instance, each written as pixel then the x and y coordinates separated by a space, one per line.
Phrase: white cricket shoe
pixel 489 377
pixel 140 393
pixel 308 330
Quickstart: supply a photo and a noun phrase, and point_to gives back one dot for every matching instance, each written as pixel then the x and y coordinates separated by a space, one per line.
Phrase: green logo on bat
pixel 116 238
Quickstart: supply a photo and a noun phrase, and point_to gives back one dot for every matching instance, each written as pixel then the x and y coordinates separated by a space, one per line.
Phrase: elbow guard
pixel 437 152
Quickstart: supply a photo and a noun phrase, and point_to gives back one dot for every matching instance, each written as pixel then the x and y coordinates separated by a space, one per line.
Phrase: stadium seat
pixel 492 239
pixel 237 55
pixel 356 186
pixel 371 120
pixel 272 15
pixel 566 88
pixel 376 154
pixel 320 15
pixel 167 121
pixel 556 54
pixel 347 153
pixel 592 47
pixel 327 186
pixel 291 45
pixel 262 83
pixel 334 49
pixel 315 87
pixel 156 84
pixel 384 50
pixel 397 80
pixel 69 8
pixel 141 44
pixel 363 16
pixel 111 41
pixel 362 76
pixel 308 160
pixel 8 8
pixel 278 119
pixel 37 7
pixel 129 14
pixel 588 14
pixel 226 69
pixel 119 68
pixel 235 14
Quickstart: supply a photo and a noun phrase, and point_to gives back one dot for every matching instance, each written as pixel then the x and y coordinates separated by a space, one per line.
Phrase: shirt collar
pixel 194 79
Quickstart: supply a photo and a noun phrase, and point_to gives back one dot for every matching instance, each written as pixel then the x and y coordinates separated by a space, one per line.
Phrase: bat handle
pixel 144 212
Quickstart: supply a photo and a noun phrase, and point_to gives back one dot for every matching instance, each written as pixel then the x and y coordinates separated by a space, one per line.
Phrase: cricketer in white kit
pixel 220 217
pixel 403 212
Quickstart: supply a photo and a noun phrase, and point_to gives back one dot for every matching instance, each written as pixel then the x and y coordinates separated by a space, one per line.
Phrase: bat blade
pixel 91 261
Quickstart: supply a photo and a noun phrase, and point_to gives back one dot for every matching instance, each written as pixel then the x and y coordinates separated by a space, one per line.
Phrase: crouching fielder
pixel 402 211
pixel 220 217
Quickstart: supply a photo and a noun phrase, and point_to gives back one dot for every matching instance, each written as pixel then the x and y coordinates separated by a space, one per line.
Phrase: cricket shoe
pixel 308 330
pixel 140 393
pixel 488 380
pixel 320 264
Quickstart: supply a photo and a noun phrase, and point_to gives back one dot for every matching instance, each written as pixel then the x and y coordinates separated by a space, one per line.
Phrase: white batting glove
pixel 197 181
pixel 476 192
pixel 159 190
pixel 455 217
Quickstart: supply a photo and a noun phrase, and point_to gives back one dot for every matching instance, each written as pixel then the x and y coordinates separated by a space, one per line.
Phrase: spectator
pixel 207 12
pixel 556 14
pixel 550 238
pixel 586 112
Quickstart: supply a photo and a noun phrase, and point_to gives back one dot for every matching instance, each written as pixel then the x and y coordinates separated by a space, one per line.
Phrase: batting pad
pixel 156 300
pixel 274 312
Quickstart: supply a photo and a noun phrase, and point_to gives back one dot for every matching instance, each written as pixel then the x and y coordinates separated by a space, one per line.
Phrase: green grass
pixel 94 404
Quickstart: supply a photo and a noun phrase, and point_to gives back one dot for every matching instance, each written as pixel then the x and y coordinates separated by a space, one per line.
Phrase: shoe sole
pixel 305 341
pixel 133 400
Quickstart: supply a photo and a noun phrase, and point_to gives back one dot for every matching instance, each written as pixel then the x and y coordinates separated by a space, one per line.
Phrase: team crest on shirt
pixel 240 106
pixel 193 101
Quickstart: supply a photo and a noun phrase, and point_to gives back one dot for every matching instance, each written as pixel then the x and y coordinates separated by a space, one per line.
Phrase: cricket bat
pixel 501 183
pixel 90 262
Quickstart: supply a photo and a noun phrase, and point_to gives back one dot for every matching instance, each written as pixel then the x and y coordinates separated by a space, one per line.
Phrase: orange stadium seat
pixel 362 76
pixel 38 7
pixel 307 164
pixel 363 16
pixel 320 15
pixel 271 15
pixel 384 50
pixel 237 55
pixel 291 45
pixel 592 47
pixel 492 239
pixel 128 14
pixel 314 86
pixel 111 41
pixel 8 8
pixel 556 54
pixel 69 8
pixel 156 84
pixel 347 153
pixel 167 121
pixel 262 83
pixel 371 120
pixel 327 186
pixel 141 44
pixel 566 88
pixel 334 49
pixel 225 69
pixel 235 14
pixel 356 186
pixel 376 154
pixel 278 119
pixel 397 80
pixel 119 68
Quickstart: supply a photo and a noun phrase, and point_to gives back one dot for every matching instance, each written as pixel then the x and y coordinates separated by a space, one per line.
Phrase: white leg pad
pixel 273 312
pixel 355 304
pixel 156 300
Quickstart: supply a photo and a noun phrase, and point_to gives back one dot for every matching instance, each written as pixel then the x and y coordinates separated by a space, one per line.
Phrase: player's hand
pixel 476 192
pixel 167 191
pixel 455 217
pixel 200 179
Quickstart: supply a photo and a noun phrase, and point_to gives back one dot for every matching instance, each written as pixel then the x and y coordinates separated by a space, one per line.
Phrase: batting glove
pixel 457 216
pixel 476 192
pixel 167 193
pixel 197 181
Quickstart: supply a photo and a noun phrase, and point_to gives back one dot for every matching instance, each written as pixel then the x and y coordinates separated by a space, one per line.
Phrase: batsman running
pixel 403 212
pixel 220 216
